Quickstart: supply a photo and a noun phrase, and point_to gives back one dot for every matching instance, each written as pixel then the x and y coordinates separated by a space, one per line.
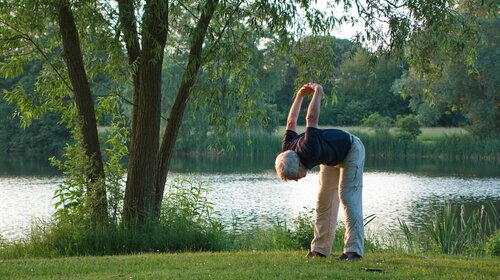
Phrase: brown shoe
pixel 350 256
pixel 312 254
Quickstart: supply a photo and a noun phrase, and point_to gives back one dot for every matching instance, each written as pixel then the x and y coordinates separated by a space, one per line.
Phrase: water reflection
pixel 12 164
pixel 427 167
pixel 228 163
pixel 23 200
pixel 436 167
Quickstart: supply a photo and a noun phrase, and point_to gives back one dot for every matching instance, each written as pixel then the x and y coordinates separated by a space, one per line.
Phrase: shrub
pixel 378 122
pixel 304 232
pixel 493 245
pixel 408 127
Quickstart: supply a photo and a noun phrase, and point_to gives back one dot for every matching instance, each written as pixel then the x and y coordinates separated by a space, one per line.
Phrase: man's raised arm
pixel 293 115
pixel 312 118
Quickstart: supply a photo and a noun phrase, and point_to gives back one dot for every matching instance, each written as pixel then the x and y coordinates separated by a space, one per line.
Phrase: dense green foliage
pixel 452 147
pixel 379 123
pixel 70 202
pixel 460 95
pixel 45 136
pixel 408 127
pixel 493 245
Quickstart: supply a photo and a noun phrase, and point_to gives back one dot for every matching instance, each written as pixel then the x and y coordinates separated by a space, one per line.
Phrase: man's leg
pixel 350 192
pixel 327 208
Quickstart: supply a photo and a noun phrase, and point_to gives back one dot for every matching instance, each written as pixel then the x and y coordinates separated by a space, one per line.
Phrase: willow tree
pixel 95 38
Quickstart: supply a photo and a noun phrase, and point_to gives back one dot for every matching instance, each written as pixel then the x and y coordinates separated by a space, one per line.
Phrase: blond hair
pixel 287 164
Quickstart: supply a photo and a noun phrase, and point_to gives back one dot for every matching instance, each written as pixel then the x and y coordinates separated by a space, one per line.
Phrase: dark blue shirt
pixel 318 146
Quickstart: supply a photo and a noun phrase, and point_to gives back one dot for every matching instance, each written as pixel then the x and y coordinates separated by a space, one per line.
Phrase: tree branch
pixel 188 10
pixel 121 97
pixel 26 37
pixel 129 28
pixel 219 35
pixel 126 11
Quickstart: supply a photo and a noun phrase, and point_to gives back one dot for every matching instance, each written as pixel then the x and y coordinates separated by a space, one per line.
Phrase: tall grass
pixel 459 146
pixel 253 144
pixel 182 229
pixel 455 147
pixel 450 230
pixel 297 234
pixel 56 240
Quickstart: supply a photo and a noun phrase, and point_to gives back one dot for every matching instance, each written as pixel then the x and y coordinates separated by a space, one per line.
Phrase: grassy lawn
pixel 251 265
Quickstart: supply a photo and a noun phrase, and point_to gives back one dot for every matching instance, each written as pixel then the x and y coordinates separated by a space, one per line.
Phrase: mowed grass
pixel 251 265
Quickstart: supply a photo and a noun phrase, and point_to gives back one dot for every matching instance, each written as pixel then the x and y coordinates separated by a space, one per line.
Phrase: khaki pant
pixel 341 183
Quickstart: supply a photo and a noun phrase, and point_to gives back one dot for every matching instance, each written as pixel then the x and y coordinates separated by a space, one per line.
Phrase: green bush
pixel 408 127
pixel 378 122
pixel 493 245
pixel 304 232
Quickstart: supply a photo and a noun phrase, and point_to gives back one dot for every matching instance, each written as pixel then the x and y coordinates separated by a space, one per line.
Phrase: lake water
pixel 250 192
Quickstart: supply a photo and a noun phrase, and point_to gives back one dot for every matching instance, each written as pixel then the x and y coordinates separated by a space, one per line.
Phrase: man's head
pixel 289 167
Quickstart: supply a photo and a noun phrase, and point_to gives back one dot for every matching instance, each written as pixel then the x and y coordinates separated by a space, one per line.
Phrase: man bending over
pixel 341 157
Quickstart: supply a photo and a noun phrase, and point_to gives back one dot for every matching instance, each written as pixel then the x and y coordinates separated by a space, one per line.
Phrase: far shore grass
pixel 428 133
pixel 252 265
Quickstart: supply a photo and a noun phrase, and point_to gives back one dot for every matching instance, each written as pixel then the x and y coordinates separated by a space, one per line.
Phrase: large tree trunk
pixel 86 114
pixel 175 118
pixel 139 193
